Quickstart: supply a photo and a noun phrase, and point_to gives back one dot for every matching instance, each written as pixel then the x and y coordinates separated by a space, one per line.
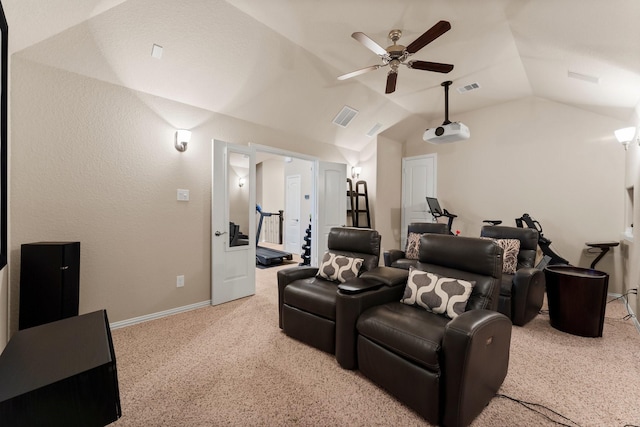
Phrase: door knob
pixel 218 233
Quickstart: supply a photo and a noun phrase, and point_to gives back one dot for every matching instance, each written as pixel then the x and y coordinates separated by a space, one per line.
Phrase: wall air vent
pixel 345 116
pixel 374 130
pixel 469 87
pixel 584 77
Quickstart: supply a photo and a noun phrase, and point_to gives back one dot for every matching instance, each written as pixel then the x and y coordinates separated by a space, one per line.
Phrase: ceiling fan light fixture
pixel 396 54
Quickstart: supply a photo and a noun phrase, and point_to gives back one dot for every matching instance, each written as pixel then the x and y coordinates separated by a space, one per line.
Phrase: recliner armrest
pixel 387 275
pixel 358 285
pixel 476 359
pixel 527 294
pixel 287 276
pixel 392 256
pixel 348 309
pixel 524 275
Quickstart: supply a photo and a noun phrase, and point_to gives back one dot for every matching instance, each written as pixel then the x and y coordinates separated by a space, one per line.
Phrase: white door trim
pixel 292 221
pixel 232 268
pixel 427 157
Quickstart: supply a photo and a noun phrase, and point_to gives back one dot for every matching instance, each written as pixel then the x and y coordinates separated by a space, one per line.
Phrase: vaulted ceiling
pixel 275 62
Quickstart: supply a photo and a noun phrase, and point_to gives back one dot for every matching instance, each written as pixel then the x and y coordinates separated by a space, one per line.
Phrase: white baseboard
pixel 152 316
pixel 634 318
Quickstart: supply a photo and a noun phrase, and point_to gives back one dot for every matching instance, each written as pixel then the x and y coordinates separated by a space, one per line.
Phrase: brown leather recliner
pixel 445 369
pixel 308 303
pixel 398 259
pixel 522 293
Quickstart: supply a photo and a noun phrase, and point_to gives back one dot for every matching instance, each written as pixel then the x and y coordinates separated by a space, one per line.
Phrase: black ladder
pixel 358 201
pixel 351 204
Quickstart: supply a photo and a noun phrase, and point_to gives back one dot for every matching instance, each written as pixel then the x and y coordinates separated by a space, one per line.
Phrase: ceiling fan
pixel 396 54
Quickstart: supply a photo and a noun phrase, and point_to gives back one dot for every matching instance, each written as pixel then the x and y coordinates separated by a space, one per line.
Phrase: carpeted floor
pixel 230 365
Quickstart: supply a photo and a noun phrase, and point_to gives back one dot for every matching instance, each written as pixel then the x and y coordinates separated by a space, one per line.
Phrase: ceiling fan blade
pixel 358 72
pixel 392 78
pixel 430 35
pixel 369 44
pixel 430 66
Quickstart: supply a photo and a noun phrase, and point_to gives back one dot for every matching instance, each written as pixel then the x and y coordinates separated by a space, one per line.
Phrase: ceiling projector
pixel 450 132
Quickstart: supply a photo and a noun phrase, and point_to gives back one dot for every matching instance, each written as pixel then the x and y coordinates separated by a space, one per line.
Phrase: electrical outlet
pixel 180 281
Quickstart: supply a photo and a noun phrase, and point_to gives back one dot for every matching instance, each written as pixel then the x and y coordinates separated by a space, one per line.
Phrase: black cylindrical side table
pixel 577 299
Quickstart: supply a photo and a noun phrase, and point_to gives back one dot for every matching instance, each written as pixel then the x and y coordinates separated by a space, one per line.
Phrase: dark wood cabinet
pixel 62 374
pixel 577 299
pixel 49 282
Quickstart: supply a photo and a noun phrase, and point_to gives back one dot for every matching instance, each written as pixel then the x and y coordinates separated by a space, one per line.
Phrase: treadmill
pixel 268 256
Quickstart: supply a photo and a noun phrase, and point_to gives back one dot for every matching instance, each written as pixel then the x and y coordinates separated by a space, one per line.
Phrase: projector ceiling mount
pixel 446 101
pixel 449 131
pixel 396 54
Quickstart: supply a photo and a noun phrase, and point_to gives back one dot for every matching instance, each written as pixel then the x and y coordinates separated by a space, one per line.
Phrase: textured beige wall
pixel 630 247
pixel 95 162
pixel 388 191
pixel 368 160
pixel 272 185
pixel 557 163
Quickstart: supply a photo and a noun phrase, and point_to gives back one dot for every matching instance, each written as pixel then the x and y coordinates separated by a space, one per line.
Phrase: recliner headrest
pixel 474 255
pixel 528 236
pixel 351 239
pixel 428 227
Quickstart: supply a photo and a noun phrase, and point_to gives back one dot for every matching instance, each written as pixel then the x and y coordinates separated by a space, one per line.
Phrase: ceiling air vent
pixel 156 51
pixel 584 77
pixel 374 130
pixel 469 87
pixel 345 116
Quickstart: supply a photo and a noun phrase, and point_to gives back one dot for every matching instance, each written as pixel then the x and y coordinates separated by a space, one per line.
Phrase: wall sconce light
pixel 182 139
pixel 241 182
pixel 355 172
pixel 625 136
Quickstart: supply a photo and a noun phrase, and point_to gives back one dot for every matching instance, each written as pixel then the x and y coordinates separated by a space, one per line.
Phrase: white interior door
pixel 330 205
pixel 292 214
pixel 418 181
pixel 232 267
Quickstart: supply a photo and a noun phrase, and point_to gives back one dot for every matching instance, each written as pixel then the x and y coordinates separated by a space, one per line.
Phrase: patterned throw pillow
pixel 511 249
pixel 338 268
pixel 413 246
pixel 440 295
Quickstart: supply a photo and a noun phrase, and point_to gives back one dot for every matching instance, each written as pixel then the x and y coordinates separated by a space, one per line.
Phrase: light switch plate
pixel 183 195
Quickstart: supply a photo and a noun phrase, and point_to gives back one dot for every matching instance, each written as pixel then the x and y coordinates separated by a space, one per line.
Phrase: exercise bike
pixel 437 212
pixel 543 242
pixel 549 256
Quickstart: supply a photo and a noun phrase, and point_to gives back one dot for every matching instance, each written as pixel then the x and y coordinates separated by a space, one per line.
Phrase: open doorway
pixel 285 194
pixel 233 171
